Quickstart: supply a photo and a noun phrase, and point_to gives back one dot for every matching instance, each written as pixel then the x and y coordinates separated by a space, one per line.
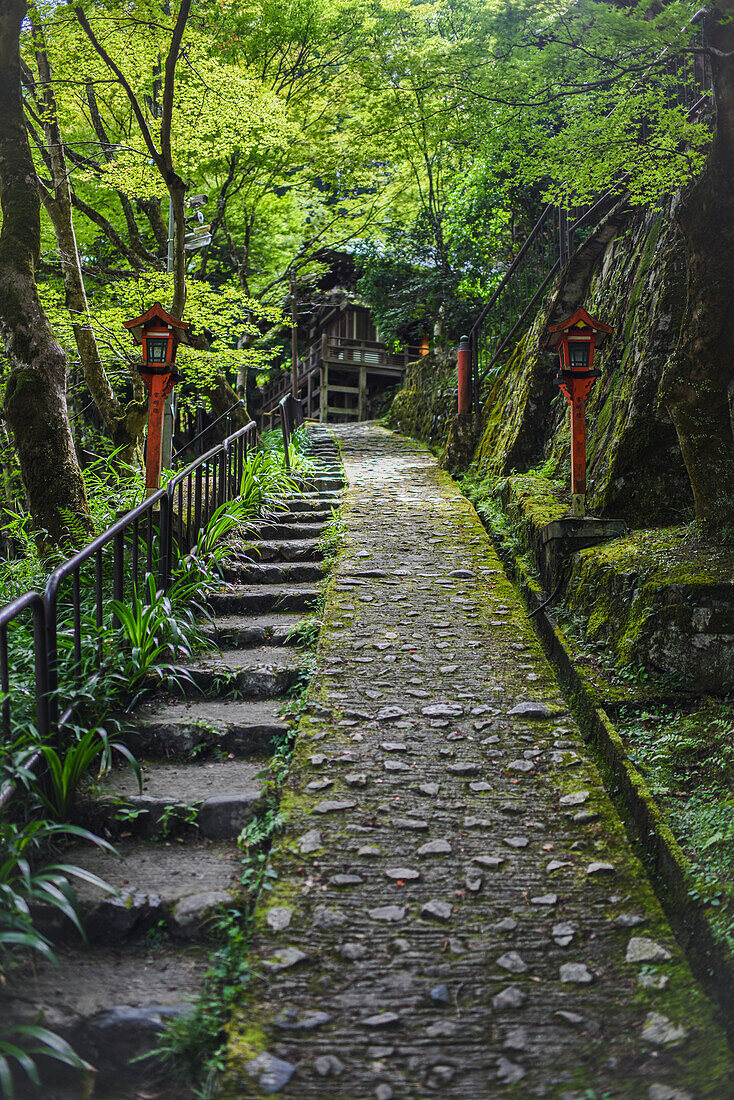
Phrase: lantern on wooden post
pixel 576 339
pixel 159 334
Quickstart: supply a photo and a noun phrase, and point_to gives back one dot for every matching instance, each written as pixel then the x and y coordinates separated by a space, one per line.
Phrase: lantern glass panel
pixel 156 349
pixel 578 353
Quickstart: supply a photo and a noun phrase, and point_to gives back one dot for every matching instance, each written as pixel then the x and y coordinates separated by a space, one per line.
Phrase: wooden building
pixel 345 367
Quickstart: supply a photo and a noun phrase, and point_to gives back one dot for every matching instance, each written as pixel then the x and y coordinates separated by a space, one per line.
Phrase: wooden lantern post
pixel 576 339
pixel 159 334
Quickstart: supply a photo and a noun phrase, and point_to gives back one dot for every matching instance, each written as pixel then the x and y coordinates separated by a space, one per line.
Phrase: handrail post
pixel 223 494
pixel 118 569
pixel 285 428
pixel 40 661
pixel 164 535
pixel 50 599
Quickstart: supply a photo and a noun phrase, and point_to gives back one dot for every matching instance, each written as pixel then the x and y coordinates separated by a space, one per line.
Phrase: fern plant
pixel 23 887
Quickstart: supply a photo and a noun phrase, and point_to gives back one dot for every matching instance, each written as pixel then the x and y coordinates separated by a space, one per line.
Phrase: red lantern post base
pixel 159 385
pixel 576 386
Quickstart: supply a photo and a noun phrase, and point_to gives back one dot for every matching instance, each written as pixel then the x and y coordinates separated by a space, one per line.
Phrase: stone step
pixel 274 529
pixel 333 482
pixel 293 515
pixel 273 572
pixel 299 504
pixel 322 484
pixel 111 1004
pixel 320 497
pixel 170 888
pixel 214 800
pixel 289 550
pixel 167 727
pixel 263 673
pixel 255 598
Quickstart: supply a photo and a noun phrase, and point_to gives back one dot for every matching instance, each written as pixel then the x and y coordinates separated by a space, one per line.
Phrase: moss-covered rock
pixel 424 407
pixel 664 602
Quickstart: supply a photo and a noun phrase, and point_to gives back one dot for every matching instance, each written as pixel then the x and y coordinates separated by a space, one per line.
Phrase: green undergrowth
pixel 686 755
pixel 540 498
pixel 194 1045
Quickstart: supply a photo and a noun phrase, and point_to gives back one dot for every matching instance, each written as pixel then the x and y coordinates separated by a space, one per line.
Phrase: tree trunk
pixel 698 383
pixel 177 193
pixel 35 396
pixel 124 424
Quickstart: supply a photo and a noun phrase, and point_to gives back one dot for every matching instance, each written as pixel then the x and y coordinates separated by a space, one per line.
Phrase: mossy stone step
pixel 173 728
pixel 273 572
pixel 290 549
pixel 321 498
pixel 254 598
pixel 248 631
pixel 324 483
pixel 170 888
pixel 262 673
pixel 311 515
pixel 112 1005
pixel 215 799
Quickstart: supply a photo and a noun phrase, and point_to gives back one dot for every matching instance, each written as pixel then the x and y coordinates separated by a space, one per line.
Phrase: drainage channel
pixel 204 748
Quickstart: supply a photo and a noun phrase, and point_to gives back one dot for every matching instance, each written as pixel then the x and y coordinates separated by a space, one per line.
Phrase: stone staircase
pixel 203 749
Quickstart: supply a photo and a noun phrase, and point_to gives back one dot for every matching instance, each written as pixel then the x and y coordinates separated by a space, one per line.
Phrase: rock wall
pixel 663 603
pixel 631 274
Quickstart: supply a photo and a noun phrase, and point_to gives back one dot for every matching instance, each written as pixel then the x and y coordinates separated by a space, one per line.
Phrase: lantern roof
pixel 581 322
pixel 157 314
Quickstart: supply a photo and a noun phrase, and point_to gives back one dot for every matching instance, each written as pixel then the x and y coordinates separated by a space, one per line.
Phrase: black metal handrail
pixel 114 535
pixel 13 610
pixel 138 545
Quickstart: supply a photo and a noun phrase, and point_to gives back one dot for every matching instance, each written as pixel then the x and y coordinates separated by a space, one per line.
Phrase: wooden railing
pixel 332 353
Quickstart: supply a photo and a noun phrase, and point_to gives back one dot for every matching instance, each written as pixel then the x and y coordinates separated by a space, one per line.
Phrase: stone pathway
pixel 457 911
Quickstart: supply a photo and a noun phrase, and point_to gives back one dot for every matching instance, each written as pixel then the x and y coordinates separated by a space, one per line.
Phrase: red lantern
pixel 577 339
pixel 159 334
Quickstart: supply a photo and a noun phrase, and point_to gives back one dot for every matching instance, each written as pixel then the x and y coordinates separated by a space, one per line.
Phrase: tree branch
pixel 113 67
pixel 170 78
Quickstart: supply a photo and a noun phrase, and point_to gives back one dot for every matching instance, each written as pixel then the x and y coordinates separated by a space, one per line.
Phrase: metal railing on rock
pixel 551 243
pixel 114 566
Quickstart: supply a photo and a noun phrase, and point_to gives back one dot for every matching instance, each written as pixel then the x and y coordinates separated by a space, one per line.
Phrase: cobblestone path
pixel 456 911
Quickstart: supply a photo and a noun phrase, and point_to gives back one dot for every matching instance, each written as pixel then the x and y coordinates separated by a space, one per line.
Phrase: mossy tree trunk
pixel 125 423
pixel 698 384
pixel 35 395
